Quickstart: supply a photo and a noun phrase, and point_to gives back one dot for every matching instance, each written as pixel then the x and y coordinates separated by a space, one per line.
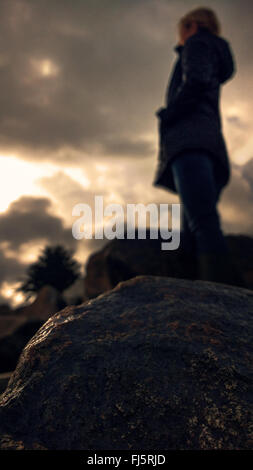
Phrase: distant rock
pixel 155 363
pixel 9 323
pixel 11 345
pixel 22 323
pixel 4 379
pixel 74 295
pixel 123 259
pixel 47 302
pixel 5 309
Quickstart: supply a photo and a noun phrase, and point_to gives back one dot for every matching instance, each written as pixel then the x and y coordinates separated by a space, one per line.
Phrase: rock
pixel 18 327
pixel 4 379
pixel 74 295
pixel 15 332
pixel 5 309
pixel 155 363
pixel 241 248
pixel 9 323
pixel 47 302
pixel 11 345
pixel 120 260
pixel 123 259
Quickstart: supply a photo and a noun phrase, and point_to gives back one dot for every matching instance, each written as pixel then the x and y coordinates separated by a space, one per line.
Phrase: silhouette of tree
pixel 55 267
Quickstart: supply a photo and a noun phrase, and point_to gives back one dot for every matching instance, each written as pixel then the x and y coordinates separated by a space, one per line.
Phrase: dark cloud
pixel 105 66
pixel 109 62
pixel 29 219
pixel 102 67
pixel 128 147
pixel 11 268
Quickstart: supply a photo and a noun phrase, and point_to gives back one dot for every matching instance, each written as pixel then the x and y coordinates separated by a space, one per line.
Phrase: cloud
pixel 81 75
pixel 11 268
pixel 247 172
pixel 29 219
pixel 237 201
pixel 84 78
pixel 25 228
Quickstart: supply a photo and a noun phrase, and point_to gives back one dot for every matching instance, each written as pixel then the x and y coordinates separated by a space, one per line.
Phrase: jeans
pixel 199 191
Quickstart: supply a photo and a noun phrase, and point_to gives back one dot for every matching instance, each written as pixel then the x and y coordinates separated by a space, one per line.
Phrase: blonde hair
pixel 204 17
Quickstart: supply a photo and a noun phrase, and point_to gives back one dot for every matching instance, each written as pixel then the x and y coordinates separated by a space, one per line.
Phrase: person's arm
pixel 197 71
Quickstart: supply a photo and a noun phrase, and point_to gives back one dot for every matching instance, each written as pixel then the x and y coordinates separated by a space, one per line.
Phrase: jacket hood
pixel 225 58
pixel 223 51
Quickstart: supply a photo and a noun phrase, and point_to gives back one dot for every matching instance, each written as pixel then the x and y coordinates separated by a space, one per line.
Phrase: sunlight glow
pixel 101 167
pixel 78 175
pixel 13 298
pixel 18 178
pixel 28 252
pixel 45 67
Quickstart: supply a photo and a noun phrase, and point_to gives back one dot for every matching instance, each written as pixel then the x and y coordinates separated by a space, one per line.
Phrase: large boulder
pixel 155 363
pixel 122 259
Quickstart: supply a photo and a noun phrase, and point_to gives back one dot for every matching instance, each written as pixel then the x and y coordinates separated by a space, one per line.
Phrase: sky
pixel 80 82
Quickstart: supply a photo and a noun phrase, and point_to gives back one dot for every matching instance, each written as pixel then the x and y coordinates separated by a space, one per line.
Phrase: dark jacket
pixel 191 118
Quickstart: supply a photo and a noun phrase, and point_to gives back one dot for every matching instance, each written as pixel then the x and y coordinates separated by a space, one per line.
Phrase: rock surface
pixel 155 363
pixel 120 260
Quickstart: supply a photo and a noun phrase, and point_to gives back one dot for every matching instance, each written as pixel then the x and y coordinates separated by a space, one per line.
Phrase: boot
pixel 218 267
pixel 190 266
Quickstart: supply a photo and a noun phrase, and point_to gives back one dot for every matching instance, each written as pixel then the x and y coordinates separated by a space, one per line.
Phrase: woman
pixel 193 159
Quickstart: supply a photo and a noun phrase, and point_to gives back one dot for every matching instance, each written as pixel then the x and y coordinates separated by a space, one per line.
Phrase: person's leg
pixel 196 186
pixel 199 194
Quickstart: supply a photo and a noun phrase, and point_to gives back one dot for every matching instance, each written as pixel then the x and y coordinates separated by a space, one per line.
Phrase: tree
pixel 55 267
